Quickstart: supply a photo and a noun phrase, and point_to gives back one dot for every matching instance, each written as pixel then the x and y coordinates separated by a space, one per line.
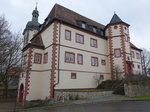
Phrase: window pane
pixel 79 38
pixel 117 53
pixel 70 57
pixel 80 59
pixel 38 58
pixel 68 35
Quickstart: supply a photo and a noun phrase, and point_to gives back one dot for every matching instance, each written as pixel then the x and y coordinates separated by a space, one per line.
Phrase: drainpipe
pixel 58 59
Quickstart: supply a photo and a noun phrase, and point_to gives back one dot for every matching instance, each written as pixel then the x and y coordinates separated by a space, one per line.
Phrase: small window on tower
pixel 117 53
pixel 115 27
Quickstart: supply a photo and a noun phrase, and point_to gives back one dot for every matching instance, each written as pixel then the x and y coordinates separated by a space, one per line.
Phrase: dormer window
pixel 83 25
pixel 94 29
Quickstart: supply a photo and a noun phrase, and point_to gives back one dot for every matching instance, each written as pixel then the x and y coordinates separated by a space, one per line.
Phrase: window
pixel 137 56
pixel 68 35
pixel 138 66
pixel 93 43
pixel 117 52
pixel 94 61
pixel 37 58
pixel 83 25
pixel 103 62
pixel 133 65
pixel 115 27
pixel 79 38
pixel 69 57
pixel 79 58
pixel 45 58
pixel 132 54
pixel 101 77
pixel 73 76
pixel 94 29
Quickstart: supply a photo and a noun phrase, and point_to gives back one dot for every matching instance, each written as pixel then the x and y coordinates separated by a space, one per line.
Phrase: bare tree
pixel 10 53
pixel 97 79
pixel 146 60
pixel 117 72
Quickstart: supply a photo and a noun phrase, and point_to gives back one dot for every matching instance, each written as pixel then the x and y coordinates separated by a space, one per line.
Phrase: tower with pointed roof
pixel 32 27
pixel 119 46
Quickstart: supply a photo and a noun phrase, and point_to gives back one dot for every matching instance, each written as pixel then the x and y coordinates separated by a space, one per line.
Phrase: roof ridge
pixel 75 13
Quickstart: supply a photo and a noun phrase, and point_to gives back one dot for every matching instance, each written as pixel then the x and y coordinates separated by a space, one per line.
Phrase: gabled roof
pixel 134 47
pixel 70 16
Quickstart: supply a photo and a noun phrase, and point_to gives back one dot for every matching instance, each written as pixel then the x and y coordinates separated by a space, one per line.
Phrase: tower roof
pixel 34 24
pixel 115 19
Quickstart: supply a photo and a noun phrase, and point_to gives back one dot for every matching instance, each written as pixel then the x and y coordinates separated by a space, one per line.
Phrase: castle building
pixel 69 51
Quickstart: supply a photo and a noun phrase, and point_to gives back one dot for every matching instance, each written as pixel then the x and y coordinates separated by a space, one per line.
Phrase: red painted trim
pixel 40 54
pixel 54 58
pixel 69 53
pixel 97 62
pixel 45 59
pixel 84 50
pixel 123 49
pixel 81 60
pixel 70 71
pixel 81 36
pixel 93 40
pixel 65 34
pixel 115 52
pixel 111 52
pixel 27 79
pixel 109 25
pixel 73 75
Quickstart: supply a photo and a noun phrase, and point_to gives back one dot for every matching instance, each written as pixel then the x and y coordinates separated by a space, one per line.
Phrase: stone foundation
pixel 66 95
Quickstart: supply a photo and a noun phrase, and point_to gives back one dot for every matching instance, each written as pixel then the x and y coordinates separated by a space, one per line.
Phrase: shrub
pixel 119 90
pixel 107 84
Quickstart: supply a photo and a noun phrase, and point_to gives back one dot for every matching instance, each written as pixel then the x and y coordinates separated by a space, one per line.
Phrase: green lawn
pixel 141 97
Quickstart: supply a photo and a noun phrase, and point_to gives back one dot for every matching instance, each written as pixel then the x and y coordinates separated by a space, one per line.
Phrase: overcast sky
pixel 134 12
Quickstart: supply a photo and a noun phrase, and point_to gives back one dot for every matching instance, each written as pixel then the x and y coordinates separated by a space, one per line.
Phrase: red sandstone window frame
pixel 66 35
pixel 103 62
pixel 39 58
pixel 80 36
pixel 73 75
pixel 115 52
pixel 45 59
pixel 96 61
pixel 132 54
pixel 73 58
pixel 91 44
pixel 81 63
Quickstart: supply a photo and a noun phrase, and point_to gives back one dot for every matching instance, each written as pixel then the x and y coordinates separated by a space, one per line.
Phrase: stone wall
pixel 136 90
pixel 67 95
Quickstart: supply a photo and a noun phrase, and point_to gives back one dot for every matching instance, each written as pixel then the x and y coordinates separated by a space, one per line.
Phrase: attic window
pixel 83 24
pixel 94 29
